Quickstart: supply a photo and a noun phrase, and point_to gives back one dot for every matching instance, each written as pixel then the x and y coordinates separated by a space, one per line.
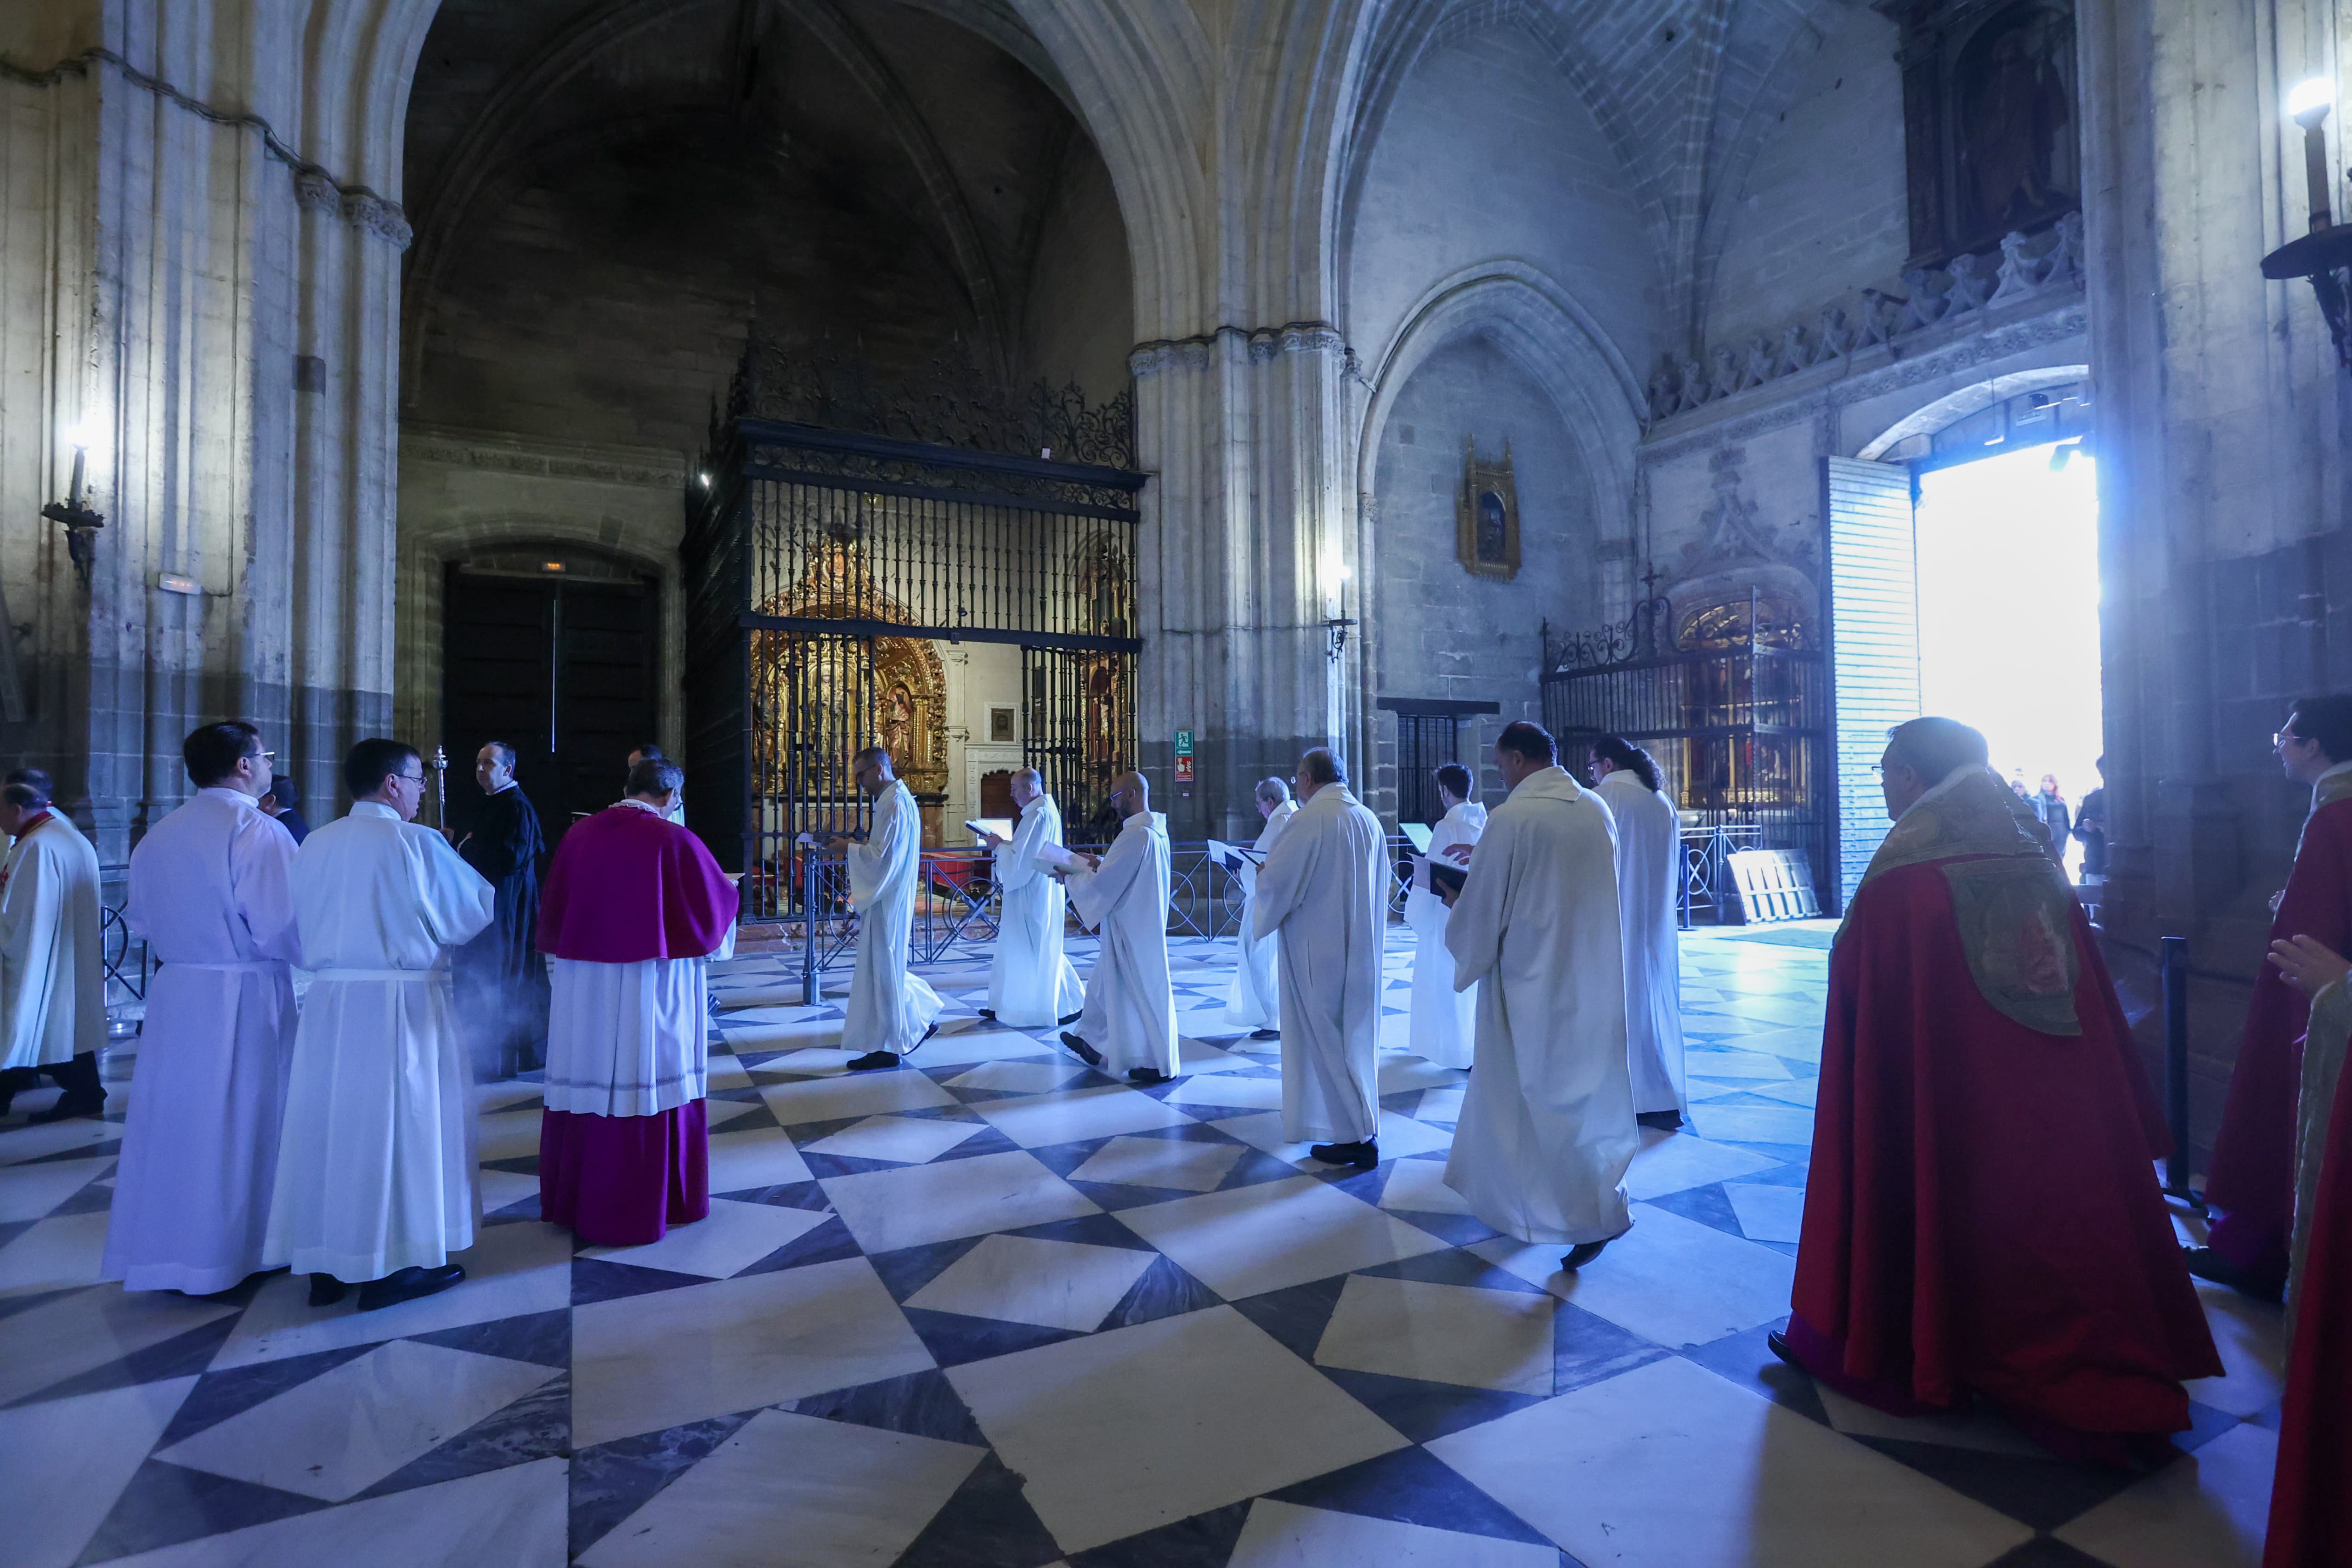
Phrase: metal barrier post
pixel 2173 966
pixel 809 994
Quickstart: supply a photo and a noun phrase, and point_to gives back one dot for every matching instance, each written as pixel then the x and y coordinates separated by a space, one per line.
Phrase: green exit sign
pixel 1183 742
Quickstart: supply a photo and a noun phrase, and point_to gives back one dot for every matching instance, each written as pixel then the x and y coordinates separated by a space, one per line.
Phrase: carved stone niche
pixel 1486 515
pixel 1990 122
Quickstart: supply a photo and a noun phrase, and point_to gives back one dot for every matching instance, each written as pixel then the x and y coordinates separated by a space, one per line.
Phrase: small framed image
pixel 1488 512
pixel 1003 725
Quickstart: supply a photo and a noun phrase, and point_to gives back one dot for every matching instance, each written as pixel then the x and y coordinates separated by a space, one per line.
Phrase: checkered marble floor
pixel 989 1309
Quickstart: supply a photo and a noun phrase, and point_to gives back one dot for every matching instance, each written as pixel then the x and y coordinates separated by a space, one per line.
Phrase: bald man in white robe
pixel 1325 889
pixel 1030 985
pixel 1254 1001
pixel 52 953
pixel 891 1011
pixel 1547 1126
pixel 1127 1028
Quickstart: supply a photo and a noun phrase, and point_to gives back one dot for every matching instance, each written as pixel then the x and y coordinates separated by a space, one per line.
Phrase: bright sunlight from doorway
pixel 2009 609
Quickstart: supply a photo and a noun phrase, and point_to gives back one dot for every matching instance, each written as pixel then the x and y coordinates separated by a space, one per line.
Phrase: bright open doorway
pixel 2009 610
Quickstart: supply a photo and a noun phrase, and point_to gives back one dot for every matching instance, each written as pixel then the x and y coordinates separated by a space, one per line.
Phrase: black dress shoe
pixel 1083 1051
pixel 407 1285
pixel 1265 1034
pixel 1145 1075
pixel 1363 1155
pixel 1663 1120
pixel 326 1290
pixel 66 1109
pixel 874 1061
pixel 2207 1264
pixel 1065 1023
pixel 918 1046
pixel 987 1012
pixel 1778 1343
pixel 1583 1253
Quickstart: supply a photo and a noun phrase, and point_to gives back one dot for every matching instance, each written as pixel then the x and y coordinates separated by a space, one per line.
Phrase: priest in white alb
pixel 633 910
pixel 1649 889
pixel 1325 890
pixel 1254 1002
pixel 52 952
pixel 1030 985
pixel 375 1167
pixel 891 1011
pixel 212 892
pixel 1441 1021
pixel 1128 1028
pixel 1547 1126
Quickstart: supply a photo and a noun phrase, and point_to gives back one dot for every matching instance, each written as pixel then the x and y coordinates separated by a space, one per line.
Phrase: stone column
pixel 1246 530
pixel 2220 437
pixel 221 312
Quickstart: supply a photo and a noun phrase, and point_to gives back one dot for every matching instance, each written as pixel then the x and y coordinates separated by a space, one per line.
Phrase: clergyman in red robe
pixel 634 909
pixel 2311 1502
pixel 1982 1220
pixel 2252 1184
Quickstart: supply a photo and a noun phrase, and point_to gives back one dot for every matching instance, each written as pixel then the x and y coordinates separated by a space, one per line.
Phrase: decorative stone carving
pixel 1836 337
pixel 1928 300
pixel 1261 343
pixel 1972 284
pixel 2032 270
pixel 1795 354
pixel 373 214
pixel 314 193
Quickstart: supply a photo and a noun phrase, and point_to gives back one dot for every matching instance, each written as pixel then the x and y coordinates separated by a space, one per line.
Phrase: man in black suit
pixel 284 802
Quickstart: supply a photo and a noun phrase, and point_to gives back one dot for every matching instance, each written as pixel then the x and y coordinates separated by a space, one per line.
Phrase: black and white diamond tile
pixel 993 1310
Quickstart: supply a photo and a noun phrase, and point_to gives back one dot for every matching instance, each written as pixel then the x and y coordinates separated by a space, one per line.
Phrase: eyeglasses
pixel 410 778
pixel 2287 738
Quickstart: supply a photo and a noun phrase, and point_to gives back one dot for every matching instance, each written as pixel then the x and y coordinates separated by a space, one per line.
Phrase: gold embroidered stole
pixel 2010 899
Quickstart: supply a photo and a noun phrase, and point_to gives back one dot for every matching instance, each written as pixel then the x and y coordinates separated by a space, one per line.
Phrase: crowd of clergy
pixel 1982 1226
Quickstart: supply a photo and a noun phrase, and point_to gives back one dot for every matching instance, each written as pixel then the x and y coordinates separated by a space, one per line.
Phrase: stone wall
pixel 2223 425
pixel 1436 630
pixel 1822 211
pixel 196 272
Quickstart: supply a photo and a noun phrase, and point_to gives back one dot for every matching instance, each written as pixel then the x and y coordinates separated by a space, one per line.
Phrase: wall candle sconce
pixel 81 523
pixel 1338 621
pixel 2324 254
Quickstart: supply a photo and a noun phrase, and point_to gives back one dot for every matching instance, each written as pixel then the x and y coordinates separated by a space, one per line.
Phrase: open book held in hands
pixel 1054 858
pixel 1445 879
pixel 1233 856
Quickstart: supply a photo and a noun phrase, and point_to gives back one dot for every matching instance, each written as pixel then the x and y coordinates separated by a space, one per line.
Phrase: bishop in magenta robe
pixel 633 910
pixel 1982 1218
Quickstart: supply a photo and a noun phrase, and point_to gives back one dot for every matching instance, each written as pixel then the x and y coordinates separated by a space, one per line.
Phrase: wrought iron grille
pixel 826 572
pixel 1738 723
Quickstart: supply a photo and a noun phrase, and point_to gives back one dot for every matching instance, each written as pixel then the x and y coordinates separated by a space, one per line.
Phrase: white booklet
pixel 1234 856
pixel 982 826
pixel 1054 858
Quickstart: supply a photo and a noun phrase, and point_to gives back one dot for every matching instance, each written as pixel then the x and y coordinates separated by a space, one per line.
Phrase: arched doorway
pixel 1964 581
pixel 554 651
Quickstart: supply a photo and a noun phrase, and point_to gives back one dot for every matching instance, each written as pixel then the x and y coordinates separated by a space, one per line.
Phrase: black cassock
pixel 501 980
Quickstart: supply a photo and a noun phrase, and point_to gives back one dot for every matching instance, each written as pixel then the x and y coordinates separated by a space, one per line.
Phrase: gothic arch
pixel 1539 325
pixel 1954 406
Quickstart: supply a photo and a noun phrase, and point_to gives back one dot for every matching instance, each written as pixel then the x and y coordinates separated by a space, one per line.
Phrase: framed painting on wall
pixel 1486 529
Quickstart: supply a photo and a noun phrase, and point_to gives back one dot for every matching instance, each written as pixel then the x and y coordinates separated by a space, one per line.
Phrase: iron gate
pixel 831 573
